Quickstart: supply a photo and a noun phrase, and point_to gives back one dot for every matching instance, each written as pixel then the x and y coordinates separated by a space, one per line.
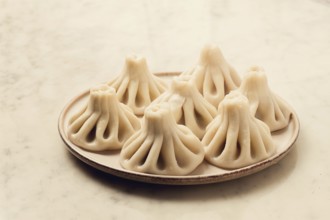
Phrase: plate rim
pixel 176 180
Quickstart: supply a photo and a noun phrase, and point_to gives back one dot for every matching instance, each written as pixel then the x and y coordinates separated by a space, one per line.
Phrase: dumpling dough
pixel 104 124
pixel 136 86
pixel 214 77
pixel 265 105
pixel 235 138
pixel 162 146
pixel 188 105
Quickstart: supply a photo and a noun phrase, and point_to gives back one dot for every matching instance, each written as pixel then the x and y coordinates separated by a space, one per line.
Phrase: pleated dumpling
pixel 104 124
pixel 136 86
pixel 161 146
pixel 235 138
pixel 188 105
pixel 214 77
pixel 265 105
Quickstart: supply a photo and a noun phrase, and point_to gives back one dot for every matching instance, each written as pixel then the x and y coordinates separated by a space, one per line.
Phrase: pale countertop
pixel 52 50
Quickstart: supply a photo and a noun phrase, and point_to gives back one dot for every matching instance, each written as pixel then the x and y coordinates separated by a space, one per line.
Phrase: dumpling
pixel 235 138
pixel 104 124
pixel 188 105
pixel 265 105
pixel 136 86
pixel 214 77
pixel 162 146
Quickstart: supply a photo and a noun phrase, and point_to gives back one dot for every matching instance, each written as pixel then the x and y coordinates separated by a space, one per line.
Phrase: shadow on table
pixel 268 178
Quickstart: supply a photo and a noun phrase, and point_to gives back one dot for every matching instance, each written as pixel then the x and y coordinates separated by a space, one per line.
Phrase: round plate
pixel 206 173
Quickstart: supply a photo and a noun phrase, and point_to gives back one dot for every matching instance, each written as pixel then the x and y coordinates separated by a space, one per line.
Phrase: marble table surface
pixel 51 50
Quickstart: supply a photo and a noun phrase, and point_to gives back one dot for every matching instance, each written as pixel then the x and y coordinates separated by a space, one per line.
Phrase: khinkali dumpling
pixel 188 105
pixel 265 105
pixel 214 77
pixel 162 146
pixel 104 124
pixel 136 86
pixel 235 138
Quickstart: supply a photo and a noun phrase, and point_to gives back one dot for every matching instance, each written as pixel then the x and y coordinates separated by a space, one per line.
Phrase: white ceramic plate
pixel 205 173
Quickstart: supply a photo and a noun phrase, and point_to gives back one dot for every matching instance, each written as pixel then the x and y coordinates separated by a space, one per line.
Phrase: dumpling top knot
pixel 136 67
pixel 255 78
pixel 158 118
pixel 183 85
pixel 102 90
pixel 234 101
pixel 211 55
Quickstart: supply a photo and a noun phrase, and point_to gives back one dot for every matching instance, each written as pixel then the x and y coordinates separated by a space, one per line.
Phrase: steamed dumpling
pixel 235 138
pixel 162 146
pixel 265 105
pixel 136 86
pixel 104 124
pixel 188 105
pixel 214 77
